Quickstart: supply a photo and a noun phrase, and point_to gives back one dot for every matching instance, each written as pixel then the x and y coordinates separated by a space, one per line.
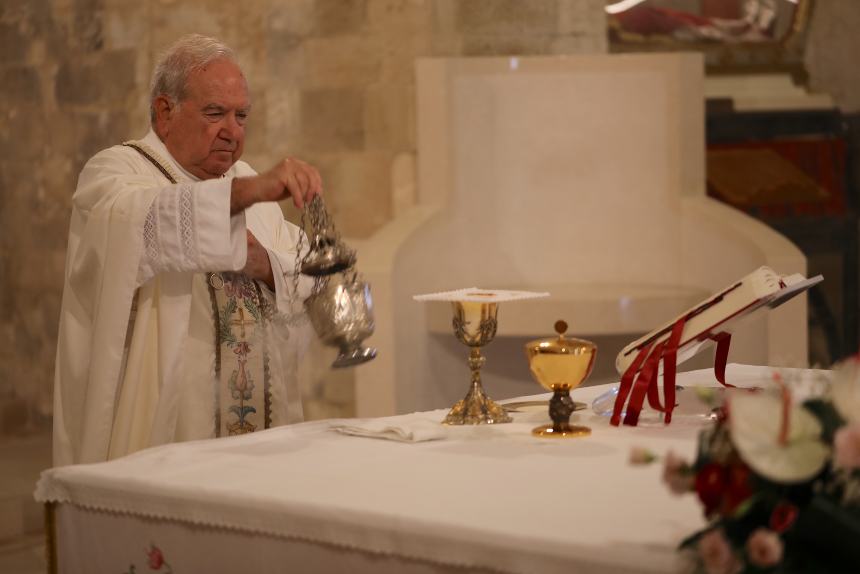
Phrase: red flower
pixel 783 516
pixel 737 487
pixel 156 558
pixel 710 486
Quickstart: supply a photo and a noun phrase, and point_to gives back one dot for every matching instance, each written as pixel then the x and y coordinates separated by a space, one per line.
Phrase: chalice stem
pixel 476 361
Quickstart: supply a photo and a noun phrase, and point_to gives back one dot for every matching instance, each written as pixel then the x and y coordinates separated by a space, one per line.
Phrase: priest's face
pixel 205 133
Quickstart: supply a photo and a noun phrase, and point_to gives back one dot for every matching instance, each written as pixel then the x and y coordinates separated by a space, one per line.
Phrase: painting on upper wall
pixel 736 36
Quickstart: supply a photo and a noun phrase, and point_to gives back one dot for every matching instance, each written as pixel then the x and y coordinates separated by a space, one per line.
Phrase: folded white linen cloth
pixel 415 427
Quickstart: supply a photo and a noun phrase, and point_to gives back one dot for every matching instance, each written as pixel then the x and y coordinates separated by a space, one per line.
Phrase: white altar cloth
pixel 303 498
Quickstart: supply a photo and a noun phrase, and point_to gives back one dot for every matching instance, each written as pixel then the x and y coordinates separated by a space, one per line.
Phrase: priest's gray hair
pixel 176 64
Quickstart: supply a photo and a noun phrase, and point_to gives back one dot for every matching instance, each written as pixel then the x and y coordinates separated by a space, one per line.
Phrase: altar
pixel 306 498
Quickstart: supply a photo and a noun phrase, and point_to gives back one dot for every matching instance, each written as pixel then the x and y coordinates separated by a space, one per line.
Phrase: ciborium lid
pixel 560 344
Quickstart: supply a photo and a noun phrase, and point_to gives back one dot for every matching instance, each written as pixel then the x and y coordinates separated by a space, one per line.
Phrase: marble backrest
pixel 582 159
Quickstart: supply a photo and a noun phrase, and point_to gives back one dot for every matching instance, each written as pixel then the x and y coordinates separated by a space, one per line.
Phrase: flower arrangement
pixel 778 478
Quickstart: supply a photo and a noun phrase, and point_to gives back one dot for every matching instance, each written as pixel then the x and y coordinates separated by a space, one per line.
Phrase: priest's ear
pixel 165 110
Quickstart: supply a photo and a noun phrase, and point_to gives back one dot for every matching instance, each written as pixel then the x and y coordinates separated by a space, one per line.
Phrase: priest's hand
pixel 257 265
pixel 288 178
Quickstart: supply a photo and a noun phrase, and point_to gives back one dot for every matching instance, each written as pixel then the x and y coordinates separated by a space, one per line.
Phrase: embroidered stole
pixel 241 316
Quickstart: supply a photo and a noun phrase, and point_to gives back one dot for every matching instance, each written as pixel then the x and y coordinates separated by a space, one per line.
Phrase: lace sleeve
pixel 189 228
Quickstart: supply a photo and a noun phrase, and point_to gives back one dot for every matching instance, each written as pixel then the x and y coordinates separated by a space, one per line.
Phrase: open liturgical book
pixel 709 322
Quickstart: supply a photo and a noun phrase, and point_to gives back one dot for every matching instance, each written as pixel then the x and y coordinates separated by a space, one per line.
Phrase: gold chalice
pixel 560 364
pixel 475 325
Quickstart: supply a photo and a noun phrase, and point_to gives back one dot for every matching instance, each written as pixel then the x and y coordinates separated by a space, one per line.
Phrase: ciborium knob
pixel 560 364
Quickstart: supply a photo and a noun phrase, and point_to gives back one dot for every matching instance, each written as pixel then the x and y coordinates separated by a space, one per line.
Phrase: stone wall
pixel 57 109
pixel 332 82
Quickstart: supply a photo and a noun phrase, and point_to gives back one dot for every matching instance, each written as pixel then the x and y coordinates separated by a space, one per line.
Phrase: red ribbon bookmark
pixel 640 379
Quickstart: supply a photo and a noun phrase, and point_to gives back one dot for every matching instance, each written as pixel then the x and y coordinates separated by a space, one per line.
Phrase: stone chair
pixel 578 175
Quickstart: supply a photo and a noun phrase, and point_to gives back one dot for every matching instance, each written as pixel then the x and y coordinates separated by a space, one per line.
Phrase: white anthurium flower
pixel 756 426
pixel 845 390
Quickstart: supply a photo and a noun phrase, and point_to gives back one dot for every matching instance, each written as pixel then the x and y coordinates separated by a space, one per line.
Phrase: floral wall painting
pixel 736 36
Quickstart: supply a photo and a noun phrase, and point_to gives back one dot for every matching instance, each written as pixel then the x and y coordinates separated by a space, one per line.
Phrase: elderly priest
pixel 179 316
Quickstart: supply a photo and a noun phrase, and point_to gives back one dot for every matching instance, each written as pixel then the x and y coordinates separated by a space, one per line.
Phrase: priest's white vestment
pixel 136 354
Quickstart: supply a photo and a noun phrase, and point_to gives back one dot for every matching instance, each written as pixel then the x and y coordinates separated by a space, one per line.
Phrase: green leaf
pixel 228 309
pixel 225 331
pixel 744 507
pixel 827 415
pixel 252 308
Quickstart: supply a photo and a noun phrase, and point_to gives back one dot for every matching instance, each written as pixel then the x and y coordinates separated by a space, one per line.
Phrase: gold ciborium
pixel 560 364
pixel 475 325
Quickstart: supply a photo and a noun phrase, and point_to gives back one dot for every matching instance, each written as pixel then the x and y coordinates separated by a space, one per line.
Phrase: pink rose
pixel 716 554
pixel 677 475
pixel 764 548
pixel 847 444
